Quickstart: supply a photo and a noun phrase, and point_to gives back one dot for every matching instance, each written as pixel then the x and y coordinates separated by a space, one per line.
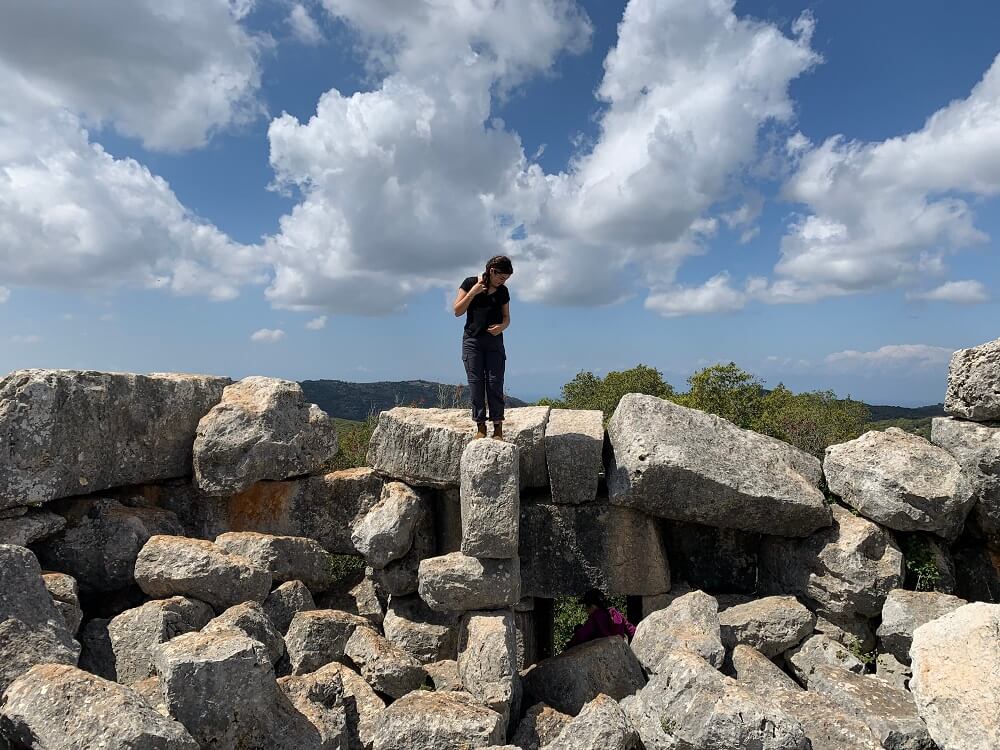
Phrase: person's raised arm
pixel 464 298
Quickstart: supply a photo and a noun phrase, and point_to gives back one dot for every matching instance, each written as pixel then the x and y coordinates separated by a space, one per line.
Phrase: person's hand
pixel 496 329
pixel 479 287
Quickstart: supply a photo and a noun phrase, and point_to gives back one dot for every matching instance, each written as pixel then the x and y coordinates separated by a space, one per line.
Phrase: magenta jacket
pixel 601 624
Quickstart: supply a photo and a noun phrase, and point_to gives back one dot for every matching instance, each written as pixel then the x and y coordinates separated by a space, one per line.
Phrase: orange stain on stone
pixel 261 507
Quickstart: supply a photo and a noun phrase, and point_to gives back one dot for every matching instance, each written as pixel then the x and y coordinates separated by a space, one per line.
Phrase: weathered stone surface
pixel 491 499
pixel 567 549
pixel 426 720
pixel 976 447
pixel 102 540
pixel 383 664
pixel 459 583
pixel 487 661
pixel 826 725
pixel 844 570
pixel 249 619
pixel 318 637
pixel 135 632
pixel 426 635
pixel 444 674
pixel 170 565
pixel 60 707
pixel 956 677
pixel 423 447
pixel 710 558
pixel 32 630
pixel 262 428
pixel 360 593
pixel 893 671
pixel 323 507
pixel 66 597
pixel 338 702
pixel 386 532
pixel 601 725
pixel 79 432
pixel 687 465
pixel 96 654
pixel 852 632
pixel 905 611
pixel 771 625
pixel 574 441
pixel 973 375
pixel 527 638
pixel 901 481
pixel 690 623
pixel 691 704
pixel 889 712
pixel 539 727
pixel 821 650
pixel 286 558
pixel 221 687
pixel 282 604
pixel 30 527
pixel 402 577
pixel 575 677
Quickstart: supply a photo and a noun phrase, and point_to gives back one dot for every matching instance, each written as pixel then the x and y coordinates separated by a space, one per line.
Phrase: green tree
pixel 812 420
pixel 727 391
pixel 588 391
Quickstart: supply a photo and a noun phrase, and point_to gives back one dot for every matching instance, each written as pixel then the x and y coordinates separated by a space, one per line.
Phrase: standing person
pixel 602 621
pixel 485 301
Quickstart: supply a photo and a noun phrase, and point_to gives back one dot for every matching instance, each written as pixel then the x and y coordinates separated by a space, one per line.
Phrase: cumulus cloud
pixel 316 324
pixel 267 336
pixel 304 27
pixel 968 292
pixel 715 295
pixel 893 356
pixel 886 214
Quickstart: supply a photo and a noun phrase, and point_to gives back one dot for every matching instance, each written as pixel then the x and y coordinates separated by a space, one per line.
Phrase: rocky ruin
pixel 173 575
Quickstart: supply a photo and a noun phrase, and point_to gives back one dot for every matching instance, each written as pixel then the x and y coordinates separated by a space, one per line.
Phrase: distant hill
pixel 880 413
pixel 353 401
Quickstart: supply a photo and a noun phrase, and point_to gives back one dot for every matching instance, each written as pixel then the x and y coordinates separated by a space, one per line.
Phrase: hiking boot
pixel 481 429
pixel 498 431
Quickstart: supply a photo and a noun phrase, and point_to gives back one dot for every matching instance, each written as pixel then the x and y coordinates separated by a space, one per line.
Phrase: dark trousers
pixel 484 358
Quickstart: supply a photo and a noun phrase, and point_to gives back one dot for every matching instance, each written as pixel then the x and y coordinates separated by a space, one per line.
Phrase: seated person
pixel 602 622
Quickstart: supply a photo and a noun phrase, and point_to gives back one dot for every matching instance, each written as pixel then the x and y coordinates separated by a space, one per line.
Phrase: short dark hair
pixel 500 264
pixel 594 597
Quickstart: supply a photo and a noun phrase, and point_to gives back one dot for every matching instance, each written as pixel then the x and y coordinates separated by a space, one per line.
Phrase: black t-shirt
pixel 485 309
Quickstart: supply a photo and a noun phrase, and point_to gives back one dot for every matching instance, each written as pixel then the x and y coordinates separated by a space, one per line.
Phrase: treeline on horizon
pixel 810 420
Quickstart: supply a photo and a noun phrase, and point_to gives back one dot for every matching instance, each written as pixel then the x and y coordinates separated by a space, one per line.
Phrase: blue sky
pixel 808 189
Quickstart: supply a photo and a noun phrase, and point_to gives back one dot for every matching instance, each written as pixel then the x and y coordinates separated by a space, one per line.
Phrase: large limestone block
pixel 319 637
pixel 567 549
pixel 690 623
pixel 976 447
pixel 426 635
pixel 712 559
pixel 221 687
pixel 59 707
pixel 889 712
pixel 171 566
pixel 601 725
pixel 487 660
pixel 101 542
pixel 29 527
pixel 491 499
pixel 286 558
pixel 687 465
pixel 425 720
pixel 136 632
pixel 32 630
pixel 539 727
pixel 956 677
pixel 66 596
pixel 249 619
pixel 384 665
pixel 973 375
pixel 423 447
pixel 820 650
pixel 287 599
pixel 400 577
pixel 79 432
pixel 459 583
pixel 575 677
pixel 262 428
pixel 904 612
pixel 339 703
pixel 771 625
pixel 385 533
pixel 844 570
pixel 901 481
pixel 691 704
pixel 826 725
pixel 574 444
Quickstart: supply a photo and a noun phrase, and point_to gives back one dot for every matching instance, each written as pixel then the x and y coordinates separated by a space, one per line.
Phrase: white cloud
pixel 893 356
pixel 316 324
pixel 25 339
pixel 715 295
pixel 4 294
pixel 968 292
pixel 885 214
pixel 304 27
pixel 267 335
